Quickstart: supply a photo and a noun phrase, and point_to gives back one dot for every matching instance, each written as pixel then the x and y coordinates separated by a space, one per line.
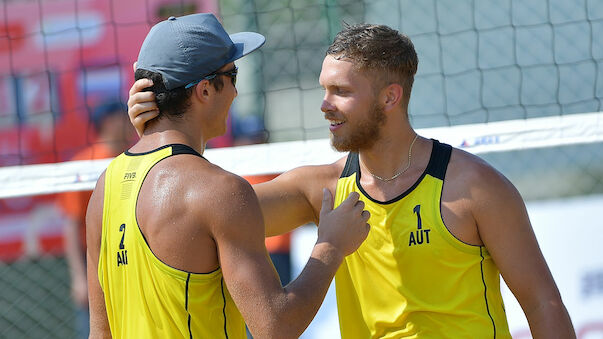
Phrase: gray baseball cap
pixel 185 49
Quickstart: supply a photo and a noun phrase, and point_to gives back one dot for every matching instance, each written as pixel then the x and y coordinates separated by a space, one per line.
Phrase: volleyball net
pixel 518 82
pixel 275 158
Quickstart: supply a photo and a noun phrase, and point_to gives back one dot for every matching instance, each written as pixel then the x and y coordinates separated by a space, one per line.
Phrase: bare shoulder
pixel 226 197
pixel 472 171
pixel 204 204
pixel 226 187
pixel 203 183
pixel 233 209
pixel 470 176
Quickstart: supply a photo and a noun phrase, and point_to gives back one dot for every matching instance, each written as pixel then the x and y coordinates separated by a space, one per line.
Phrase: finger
pixel 146 96
pixel 327 201
pixel 139 85
pixel 351 199
pixel 359 205
pixel 144 117
pixel 365 215
pixel 142 113
pixel 145 99
pixel 140 120
pixel 134 65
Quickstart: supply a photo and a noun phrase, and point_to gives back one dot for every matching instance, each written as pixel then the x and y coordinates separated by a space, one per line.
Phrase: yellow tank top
pixel 144 297
pixel 412 278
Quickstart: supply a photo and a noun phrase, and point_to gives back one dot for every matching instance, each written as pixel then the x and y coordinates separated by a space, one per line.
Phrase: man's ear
pixel 204 90
pixel 391 96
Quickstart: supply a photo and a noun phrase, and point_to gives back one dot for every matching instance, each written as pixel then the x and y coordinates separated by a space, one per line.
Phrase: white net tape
pixel 273 158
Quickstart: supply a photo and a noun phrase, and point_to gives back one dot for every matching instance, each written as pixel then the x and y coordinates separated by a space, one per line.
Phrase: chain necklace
pixel 402 171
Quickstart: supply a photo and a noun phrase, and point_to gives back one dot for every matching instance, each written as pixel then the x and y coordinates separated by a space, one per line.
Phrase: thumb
pixel 327 201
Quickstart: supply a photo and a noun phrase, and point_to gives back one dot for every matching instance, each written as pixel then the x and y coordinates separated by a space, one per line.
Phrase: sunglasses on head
pixel 232 74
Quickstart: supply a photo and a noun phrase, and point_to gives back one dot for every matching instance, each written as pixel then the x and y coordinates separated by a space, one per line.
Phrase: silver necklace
pixel 402 171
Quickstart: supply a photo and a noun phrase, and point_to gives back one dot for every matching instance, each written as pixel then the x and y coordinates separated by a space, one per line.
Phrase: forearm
pixel 270 310
pixel 299 301
pixel 550 320
pixel 310 288
pixel 99 334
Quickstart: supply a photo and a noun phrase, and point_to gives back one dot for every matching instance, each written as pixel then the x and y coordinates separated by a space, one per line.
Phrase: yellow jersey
pixel 412 278
pixel 144 297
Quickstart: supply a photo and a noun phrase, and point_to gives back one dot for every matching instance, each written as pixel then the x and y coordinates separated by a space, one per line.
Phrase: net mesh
pixel 504 137
pixel 519 82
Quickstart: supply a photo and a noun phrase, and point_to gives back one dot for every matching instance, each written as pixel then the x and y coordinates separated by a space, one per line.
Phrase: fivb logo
pixel 421 235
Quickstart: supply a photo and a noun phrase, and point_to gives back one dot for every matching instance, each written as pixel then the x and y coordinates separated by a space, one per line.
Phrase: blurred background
pixel 66 67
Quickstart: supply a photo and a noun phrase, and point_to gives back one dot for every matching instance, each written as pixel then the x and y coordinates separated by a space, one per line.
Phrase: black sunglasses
pixel 232 74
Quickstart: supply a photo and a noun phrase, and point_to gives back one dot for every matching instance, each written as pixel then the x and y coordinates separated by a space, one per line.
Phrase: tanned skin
pixel 479 205
pixel 198 217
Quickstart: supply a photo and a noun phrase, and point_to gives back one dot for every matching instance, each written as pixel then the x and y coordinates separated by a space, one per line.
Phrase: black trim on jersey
pixel 188 278
pixel 481 266
pixel 351 165
pixel 440 157
pixel 438 163
pixel 224 307
pixel 176 149
pixel 441 170
pixel 184 149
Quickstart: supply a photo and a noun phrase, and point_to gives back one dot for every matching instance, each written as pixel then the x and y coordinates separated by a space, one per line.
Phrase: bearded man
pixel 444 224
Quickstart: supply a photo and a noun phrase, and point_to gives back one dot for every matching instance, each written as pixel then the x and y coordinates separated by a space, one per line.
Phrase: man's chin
pixel 342 146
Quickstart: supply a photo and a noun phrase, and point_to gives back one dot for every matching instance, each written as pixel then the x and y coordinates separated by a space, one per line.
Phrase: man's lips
pixel 335 124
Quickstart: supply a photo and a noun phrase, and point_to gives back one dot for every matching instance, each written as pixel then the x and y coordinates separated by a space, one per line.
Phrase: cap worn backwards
pixel 187 48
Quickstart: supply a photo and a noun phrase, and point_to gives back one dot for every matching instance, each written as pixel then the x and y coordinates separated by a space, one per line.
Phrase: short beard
pixel 364 134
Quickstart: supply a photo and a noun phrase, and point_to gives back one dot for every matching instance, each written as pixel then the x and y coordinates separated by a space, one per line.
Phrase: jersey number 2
pixel 122 228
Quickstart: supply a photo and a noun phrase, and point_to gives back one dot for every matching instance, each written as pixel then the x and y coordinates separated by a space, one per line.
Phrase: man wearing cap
pixel 444 224
pixel 175 243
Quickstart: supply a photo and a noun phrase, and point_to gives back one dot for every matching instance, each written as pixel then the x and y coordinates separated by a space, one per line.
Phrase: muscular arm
pixel 294 198
pixel 288 201
pixel 505 229
pixel 99 324
pixel 270 310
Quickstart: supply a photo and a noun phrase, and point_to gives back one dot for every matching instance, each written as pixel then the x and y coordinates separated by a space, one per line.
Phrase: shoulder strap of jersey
pixel 176 149
pixel 184 149
pixel 438 162
pixel 351 165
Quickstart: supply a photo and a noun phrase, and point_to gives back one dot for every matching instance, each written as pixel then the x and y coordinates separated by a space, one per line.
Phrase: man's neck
pixel 164 133
pixel 390 153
